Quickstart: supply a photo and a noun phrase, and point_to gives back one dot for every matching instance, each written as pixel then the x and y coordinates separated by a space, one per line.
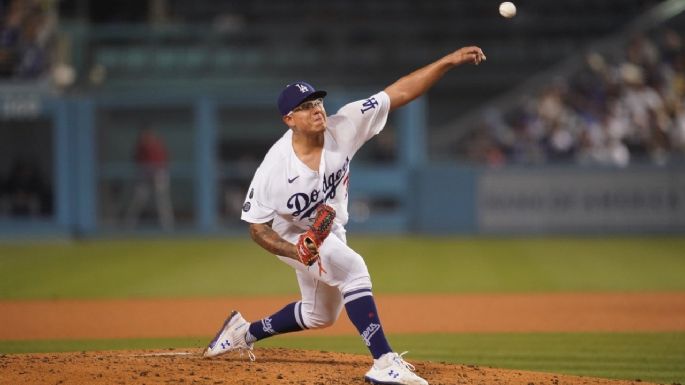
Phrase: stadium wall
pixel 88 171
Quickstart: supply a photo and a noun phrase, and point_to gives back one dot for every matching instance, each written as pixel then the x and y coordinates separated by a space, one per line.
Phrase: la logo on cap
pixel 302 87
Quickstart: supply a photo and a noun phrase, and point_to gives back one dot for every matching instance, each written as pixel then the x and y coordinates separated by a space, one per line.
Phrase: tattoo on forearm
pixel 267 238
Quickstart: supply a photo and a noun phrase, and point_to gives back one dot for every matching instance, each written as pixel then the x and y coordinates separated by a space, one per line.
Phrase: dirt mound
pixel 273 366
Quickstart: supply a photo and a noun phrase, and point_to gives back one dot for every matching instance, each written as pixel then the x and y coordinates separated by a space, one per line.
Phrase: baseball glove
pixel 310 240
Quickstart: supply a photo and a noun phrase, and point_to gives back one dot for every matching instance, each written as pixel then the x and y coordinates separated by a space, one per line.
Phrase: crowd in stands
pixel 27 30
pixel 628 108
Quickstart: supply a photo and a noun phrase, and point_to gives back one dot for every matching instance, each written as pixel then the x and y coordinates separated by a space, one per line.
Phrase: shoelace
pixel 248 349
pixel 400 361
pixel 250 354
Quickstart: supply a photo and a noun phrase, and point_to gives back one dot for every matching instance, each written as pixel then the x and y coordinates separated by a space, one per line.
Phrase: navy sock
pixel 363 314
pixel 283 321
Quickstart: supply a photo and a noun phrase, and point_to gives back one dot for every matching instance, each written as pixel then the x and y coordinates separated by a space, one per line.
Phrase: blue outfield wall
pixel 445 199
pixel 423 197
pixel 581 200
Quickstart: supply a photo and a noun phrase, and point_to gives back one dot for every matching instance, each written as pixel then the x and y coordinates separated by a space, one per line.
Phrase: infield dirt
pixel 66 319
pixel 273 366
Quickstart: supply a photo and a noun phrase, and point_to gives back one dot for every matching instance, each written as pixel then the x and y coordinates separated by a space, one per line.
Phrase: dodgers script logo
pixel 266 326
pixel 369 332
pixel 303 205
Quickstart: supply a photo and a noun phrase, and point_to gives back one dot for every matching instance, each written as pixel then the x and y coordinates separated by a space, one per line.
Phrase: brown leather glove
pixel 310 240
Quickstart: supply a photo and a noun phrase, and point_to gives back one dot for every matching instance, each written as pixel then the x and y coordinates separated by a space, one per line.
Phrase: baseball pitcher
pixel 296 208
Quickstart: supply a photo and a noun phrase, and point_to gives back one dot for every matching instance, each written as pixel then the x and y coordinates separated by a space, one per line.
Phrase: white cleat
pixel 231 337
pixel 391 369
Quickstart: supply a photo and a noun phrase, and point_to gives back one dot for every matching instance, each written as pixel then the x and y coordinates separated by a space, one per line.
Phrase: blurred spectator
pixel 602 114
pixel 241 155
pixel 27 29
pixel 234 191
pixel 677 130
pixel 484 150
pixel 151 158
pixel 24 193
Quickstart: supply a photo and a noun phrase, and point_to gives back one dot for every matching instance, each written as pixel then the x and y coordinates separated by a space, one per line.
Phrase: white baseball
pixel 507 9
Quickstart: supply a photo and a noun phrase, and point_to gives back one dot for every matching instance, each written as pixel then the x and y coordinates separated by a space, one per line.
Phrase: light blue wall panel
pixel 446 199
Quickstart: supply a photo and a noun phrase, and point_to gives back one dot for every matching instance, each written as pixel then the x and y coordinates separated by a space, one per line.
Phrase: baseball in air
pixel 507 9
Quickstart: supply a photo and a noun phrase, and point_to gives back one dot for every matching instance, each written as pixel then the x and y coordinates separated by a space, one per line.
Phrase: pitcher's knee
pixel 357 284
pixel 318 322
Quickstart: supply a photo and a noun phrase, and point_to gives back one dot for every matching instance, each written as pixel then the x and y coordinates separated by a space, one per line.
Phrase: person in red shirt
pixel 152 159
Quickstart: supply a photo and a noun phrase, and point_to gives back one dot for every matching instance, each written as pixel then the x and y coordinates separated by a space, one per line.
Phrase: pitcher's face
pixel 308 117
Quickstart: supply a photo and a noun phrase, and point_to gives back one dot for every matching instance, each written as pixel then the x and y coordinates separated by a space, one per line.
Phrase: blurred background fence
pixel 150 117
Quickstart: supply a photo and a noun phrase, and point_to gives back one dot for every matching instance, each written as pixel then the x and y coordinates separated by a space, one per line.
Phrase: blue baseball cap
pixel 294 94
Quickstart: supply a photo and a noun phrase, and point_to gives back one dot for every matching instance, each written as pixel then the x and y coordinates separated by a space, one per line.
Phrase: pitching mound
pixel 273 366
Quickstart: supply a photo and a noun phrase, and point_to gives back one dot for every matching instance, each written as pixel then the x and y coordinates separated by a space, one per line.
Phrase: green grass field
pixel 210 267
pixel 189 268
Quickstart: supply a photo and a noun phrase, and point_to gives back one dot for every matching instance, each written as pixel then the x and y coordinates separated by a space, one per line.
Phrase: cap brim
pixel 315 95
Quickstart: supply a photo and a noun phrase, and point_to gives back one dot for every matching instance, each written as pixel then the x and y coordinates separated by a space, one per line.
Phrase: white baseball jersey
pixel 286 191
